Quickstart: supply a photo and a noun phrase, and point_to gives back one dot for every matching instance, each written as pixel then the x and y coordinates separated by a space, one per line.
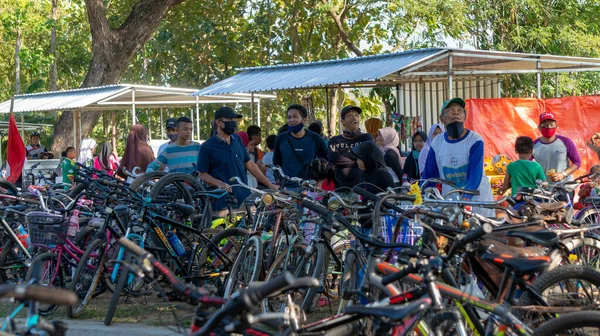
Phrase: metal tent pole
pixel 538 76
pixel 258 112
pixel 162 125
pixel 450 93
pixel 133 119
pixel 252 108
pixel 197 118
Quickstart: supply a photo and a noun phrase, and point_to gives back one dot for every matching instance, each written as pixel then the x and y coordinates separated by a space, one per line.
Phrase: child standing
pixel 69 167
pixel 523 172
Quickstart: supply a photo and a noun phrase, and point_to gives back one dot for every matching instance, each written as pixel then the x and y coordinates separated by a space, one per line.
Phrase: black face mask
pixel 230 127
pixel 455 129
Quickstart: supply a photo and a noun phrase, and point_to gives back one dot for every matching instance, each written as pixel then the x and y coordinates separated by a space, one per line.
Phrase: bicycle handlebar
pixel 48 295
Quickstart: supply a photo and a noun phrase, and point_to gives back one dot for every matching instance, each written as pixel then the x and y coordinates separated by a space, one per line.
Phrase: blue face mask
pixel 296 129
pixel 173 137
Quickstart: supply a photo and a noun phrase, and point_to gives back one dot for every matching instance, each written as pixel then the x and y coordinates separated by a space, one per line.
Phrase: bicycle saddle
pixel 551 206
pixel 185 209
pixel 520 266
pixel 543 238
pixel 394 313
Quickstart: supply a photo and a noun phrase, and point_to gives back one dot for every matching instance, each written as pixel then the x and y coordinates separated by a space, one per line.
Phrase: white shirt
pixel 85 152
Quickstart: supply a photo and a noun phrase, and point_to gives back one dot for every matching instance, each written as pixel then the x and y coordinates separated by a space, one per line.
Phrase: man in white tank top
pixel 457 155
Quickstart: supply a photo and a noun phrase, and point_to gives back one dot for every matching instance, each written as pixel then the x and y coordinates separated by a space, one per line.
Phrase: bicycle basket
pixel 46 228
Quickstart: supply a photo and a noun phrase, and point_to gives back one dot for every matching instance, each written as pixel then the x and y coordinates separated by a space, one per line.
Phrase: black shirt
pixel 393 161
pixel 346 168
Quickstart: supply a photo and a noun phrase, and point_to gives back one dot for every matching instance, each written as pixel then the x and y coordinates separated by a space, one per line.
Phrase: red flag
pixel 15 151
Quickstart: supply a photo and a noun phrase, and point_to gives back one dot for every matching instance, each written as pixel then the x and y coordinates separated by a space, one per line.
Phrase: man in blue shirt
pixel 297 147
pixel 171 134
pixel 224 156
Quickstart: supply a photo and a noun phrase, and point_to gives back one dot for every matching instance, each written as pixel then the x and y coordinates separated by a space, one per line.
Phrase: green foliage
pixel 201 42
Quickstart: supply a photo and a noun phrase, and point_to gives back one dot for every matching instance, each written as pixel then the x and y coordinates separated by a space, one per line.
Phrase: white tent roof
pixel 119 97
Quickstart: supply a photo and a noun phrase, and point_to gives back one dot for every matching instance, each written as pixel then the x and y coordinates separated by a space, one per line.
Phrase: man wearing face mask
pixel 346 168
pixel 171 134
pixel 297 147
pixel 457 155
pixel 224 156
pixel 556 154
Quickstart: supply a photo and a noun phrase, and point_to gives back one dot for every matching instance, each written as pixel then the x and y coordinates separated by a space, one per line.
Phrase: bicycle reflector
pixel 333 204
pixel 267 199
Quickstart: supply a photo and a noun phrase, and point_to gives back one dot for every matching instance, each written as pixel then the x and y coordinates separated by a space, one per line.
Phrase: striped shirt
pixel 177 158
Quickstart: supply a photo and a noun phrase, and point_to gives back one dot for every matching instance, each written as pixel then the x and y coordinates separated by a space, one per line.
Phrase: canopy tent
pixel 450 68
pixel 395 68
pixel 26 127
pixel 120 97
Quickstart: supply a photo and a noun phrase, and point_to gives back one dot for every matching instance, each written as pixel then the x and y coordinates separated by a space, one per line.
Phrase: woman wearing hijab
pixel 373 125
pixel 434 131
pixel 370 160
pixel 411 165
pixel 388 141
pixel 246 140
pixel 107 160
pixel 137 151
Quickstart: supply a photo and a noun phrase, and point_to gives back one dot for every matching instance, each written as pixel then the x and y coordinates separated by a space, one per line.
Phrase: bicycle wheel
pixel 577 323
pixel 312 265
pixel 588 216
pixel 175 186
pixel 217 258
pixel 12 266
pixel 334 271
pixel 566 286
pixel 349 280
pixel 287 262
pixel 119 288
pixel 584 251
pixel 53 276
pixel 143 183
pixel 87 275
pixel 247 266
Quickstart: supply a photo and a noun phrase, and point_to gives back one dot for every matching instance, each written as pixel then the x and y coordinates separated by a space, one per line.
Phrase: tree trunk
pixel 112 51
pixel 53 70
pixel 18 62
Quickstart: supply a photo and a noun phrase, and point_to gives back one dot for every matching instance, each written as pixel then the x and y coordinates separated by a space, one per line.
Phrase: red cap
pixel 547 116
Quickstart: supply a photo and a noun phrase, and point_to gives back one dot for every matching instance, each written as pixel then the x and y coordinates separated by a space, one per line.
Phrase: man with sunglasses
pixel 556 154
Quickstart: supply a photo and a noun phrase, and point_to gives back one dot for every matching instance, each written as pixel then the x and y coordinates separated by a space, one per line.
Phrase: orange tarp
pixel 500 121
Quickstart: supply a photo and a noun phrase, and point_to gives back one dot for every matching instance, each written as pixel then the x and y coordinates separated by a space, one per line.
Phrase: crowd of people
pixel 449 151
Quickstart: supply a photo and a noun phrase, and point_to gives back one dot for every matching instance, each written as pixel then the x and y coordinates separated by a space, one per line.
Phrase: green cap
pixel 452 101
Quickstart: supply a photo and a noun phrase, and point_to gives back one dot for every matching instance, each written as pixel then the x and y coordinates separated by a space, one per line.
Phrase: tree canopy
pixel 194 43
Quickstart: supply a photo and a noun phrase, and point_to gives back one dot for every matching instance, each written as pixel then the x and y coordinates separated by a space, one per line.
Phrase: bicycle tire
pixel 142 179
pixel 233 283
pixel 348 281
pixel 332 281
pixel 85 235
pixel 569 321
pixel 554 277
pixel 119 287
pixel 8 249
pixel 277 269
pixel 317 271
pixel 180 180
pixel 8 187
pixel 585 215
pixel 98 247
pixel 46 310
pixel 210 263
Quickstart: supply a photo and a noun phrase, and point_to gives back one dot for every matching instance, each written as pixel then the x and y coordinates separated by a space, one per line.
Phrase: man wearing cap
pixel 457 155
pixel 181 156
pixel 297 147
pixel 347 172
pixel 35 150
pixel 171 134
pixel 556 154
pixel 224 156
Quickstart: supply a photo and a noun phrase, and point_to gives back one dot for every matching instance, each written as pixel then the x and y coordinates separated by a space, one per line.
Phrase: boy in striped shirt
pixel 182 155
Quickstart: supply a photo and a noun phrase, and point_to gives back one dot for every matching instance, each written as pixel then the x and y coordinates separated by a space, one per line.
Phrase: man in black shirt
pixel 346 168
